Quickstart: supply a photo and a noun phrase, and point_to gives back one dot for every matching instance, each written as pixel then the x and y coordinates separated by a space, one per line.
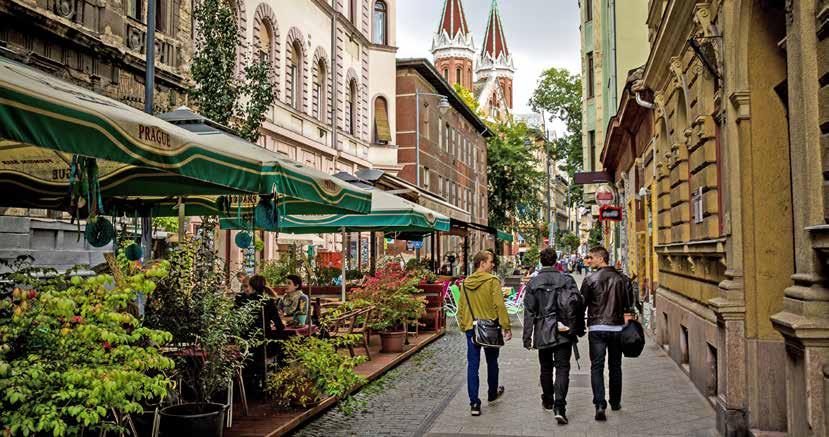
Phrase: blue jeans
pixel 473 362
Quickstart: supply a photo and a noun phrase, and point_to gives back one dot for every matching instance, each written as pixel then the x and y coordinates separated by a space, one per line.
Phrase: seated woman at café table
pixel 294 303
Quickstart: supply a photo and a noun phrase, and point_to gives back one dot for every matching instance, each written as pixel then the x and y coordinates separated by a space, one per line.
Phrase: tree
pixel 513 179
pixel 218 91
pixel 468 98
pixel 559 95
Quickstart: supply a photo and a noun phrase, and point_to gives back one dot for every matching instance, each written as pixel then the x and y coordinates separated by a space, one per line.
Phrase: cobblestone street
pixel 405 401
pixel 426 396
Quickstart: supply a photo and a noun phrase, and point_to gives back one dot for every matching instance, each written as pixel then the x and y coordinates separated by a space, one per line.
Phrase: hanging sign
pixel 604 195
pixel 610 213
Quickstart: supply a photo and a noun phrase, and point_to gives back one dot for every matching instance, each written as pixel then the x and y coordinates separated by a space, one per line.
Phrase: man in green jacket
pixel 482 291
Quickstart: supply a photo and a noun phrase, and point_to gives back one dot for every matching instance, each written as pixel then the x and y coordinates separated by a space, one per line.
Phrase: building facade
pixel 333 67
pixel 99 46
pixel 735 168
pixel 445 153
pixel 613 42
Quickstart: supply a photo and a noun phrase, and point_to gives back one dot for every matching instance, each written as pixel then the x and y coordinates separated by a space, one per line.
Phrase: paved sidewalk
pixel 657 400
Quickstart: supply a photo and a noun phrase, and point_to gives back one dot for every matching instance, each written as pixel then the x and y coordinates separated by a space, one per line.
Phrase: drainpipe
pixel 647 105
pixel 334 83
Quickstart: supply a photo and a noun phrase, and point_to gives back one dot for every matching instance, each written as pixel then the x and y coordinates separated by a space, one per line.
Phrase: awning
pixel 504 236
pixel 44 122
pixel 389 213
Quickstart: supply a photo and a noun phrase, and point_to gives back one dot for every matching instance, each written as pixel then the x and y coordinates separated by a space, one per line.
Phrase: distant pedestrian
pixel 553 318
pixel 482 292
pixel 606 297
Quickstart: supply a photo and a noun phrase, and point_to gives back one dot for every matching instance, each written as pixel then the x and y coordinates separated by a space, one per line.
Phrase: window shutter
pixel 381 121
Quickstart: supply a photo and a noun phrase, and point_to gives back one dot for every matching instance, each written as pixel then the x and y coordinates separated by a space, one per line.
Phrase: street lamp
pixel 443 107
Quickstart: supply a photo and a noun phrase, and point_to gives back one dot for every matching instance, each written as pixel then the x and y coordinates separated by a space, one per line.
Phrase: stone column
pixel 804 321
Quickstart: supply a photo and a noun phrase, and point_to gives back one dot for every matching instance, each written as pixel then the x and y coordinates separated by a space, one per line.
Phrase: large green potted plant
pixel 313 370
pixel 211 336
pixel 394 294
pixel 72 352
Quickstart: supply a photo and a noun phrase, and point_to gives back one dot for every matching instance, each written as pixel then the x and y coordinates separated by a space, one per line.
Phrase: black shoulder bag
pixel 485 333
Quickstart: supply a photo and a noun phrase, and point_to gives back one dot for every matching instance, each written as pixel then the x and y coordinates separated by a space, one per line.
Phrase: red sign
pixel 604 195
pixel 610 213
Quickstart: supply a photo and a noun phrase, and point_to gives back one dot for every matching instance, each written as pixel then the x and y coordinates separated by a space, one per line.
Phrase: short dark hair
pixel 258 284
pixel 295 279
pixel 548 257
pixel 481 257
pixel 602 252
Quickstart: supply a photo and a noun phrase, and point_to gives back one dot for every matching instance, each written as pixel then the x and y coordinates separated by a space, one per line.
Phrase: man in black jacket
pixel 606 297
pixel 544 330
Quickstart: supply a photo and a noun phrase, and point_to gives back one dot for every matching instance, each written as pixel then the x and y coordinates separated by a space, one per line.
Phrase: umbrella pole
pixel 345 251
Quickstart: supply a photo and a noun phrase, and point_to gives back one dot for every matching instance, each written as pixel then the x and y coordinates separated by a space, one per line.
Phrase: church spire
pixel 495 43
pixel 453 20
pixel 452 45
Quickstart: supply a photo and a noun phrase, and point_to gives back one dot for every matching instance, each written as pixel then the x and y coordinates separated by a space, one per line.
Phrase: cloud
pixel 540 34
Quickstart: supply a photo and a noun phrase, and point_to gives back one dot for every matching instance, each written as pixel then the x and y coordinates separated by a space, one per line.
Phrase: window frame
pixel 588 11
pixel 591 76
pixel 385 26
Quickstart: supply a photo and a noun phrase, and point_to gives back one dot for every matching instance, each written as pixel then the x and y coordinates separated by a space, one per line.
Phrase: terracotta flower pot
pixel 392 342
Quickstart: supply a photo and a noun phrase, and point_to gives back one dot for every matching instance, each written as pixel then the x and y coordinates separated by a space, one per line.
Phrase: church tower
pixel 495 64
pixel 452 45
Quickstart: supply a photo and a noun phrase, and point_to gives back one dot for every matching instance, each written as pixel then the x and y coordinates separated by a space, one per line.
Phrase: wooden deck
pixel 264 420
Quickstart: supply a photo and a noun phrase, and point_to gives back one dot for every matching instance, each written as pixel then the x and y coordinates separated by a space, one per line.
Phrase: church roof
pixel 453 20
pixel 495 43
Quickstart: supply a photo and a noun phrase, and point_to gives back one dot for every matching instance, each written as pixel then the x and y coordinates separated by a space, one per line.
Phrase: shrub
pixel 71 351
pixel 313 370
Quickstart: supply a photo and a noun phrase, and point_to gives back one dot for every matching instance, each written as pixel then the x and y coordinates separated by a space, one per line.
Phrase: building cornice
pixel 674 31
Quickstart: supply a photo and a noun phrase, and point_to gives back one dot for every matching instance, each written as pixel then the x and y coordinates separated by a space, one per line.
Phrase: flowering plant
pixel 393 292
pixel 72 351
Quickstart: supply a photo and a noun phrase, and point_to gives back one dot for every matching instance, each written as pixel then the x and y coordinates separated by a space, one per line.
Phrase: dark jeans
pixel 473 362
pixel 605 343
pixel 557 358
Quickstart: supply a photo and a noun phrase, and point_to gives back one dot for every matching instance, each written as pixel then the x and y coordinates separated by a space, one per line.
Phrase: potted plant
pixel 393 292
pixel 313 370
pixel 72 351
pixel 210 334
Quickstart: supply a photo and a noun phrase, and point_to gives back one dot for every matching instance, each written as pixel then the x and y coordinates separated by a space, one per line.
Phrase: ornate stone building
pixel 100 46
pixel 333 64
pixel 739 190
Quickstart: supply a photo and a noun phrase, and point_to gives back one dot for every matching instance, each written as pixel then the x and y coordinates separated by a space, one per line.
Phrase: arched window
pixel 351 108
pixel 320 100
pixel 352 11
pixel 446 73
pixel 458 73
pixel 380 34
pixel 382 130
pixel 295 75
pixel 265 41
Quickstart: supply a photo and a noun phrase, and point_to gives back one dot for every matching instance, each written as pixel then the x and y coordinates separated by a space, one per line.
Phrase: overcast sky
pixel 540 34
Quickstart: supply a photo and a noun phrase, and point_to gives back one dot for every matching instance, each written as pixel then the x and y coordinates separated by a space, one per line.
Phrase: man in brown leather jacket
pixel 605 294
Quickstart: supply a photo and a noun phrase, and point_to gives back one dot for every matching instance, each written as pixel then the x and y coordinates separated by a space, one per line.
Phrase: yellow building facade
pixel 734 172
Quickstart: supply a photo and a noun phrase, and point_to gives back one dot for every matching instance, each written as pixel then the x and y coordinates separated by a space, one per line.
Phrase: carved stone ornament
pixel 65 8
pixel 692 264
pixel 135 39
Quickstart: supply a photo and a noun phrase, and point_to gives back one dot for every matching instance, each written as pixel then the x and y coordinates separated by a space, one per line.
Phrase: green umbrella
pixel 389 213
pixel 45 122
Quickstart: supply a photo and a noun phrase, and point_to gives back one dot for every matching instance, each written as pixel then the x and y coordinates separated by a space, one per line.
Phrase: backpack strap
pixel 463 289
